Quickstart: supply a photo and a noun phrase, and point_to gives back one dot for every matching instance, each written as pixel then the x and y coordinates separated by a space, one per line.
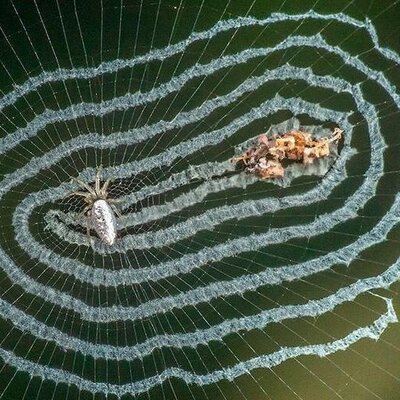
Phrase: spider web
pixel 219 285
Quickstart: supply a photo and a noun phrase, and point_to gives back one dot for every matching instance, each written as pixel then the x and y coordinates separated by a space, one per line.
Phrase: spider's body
pixel 100 210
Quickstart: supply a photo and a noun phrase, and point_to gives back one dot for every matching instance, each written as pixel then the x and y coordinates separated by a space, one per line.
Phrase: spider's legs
pixel 111 201
pixel 97 183
pixel 115 209
pixel 103 190
pixel 86 209
pixel 88 229
pixel 85 185
pixel 83 194
pixel 88 235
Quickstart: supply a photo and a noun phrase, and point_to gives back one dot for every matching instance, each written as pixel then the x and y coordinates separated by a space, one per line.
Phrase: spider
pixel 100 209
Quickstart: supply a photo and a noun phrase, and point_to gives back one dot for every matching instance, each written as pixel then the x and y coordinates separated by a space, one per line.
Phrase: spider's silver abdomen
pixel 103 221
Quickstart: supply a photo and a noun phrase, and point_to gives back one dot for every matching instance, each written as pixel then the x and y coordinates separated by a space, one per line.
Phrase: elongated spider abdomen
pixel 103 221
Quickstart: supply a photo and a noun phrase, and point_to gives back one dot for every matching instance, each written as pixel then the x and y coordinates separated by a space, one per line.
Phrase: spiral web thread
pixel 219 285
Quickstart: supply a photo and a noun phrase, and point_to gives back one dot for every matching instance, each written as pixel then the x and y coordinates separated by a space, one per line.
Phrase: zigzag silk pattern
pixel 220 285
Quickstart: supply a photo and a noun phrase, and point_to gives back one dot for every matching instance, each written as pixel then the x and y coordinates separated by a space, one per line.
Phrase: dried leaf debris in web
pixel 265 157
